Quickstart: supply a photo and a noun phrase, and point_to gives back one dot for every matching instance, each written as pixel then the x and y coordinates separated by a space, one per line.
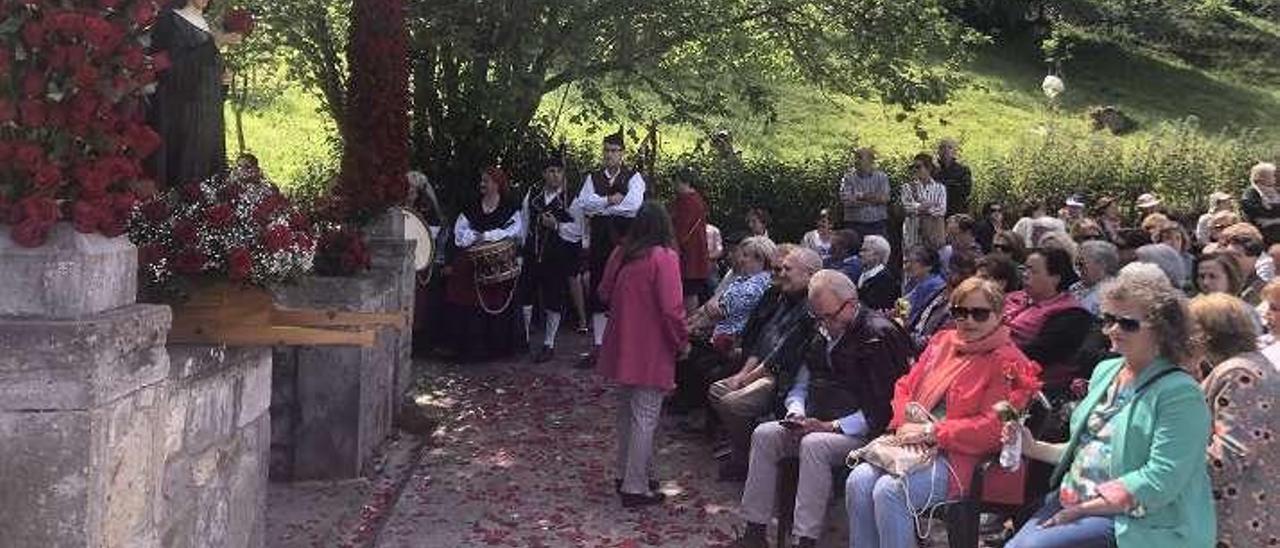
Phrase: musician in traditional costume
pixel 483 322
pixel 552 243
pixel 609 199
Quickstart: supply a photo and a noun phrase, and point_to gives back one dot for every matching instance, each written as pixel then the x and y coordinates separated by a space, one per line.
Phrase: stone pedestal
pixel 392 261
pixel 83 380
pixel 217 441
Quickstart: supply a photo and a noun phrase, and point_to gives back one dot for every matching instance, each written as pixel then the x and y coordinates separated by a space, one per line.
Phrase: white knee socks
pixel 553 326
pixel 598 323
pixel 528 320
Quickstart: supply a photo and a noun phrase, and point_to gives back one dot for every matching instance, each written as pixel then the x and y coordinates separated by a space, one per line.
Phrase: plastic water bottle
pixel 1011 451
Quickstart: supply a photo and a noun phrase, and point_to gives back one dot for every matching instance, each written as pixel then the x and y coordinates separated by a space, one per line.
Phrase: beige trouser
pixel 738 411
pixel 819 453
pixel 638 411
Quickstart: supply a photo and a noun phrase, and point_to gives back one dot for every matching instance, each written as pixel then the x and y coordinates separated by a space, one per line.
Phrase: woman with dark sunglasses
pixel 960 376
pixel 1133 472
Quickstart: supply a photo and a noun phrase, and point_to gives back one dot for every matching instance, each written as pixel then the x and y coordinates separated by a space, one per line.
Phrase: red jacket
pixel 970 431
pixel 689 217
pixel 646 319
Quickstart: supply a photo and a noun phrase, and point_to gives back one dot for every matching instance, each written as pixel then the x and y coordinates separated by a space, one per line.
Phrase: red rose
pixel 239 264
pixel 238 21
pixel 269 206
pixel 160 62
pixel 184 232
pixel 151 254
pixel 144 13
pixel 191 192
pixel 39 210
pixel 85 215
pixel 142 140
pixel 8 112
pixel 86 76
pixel 277 238
pixel 304 242
pixel 155 210
pixel 133 58
pixel 33 34
pixel 93 182
pixel 190 262
pixel 30 234
pixel 33 84
pixel 28 157
pixel 47 176
pixel 219 216
pixel 34 113
pixel 230 193
pixel 112 225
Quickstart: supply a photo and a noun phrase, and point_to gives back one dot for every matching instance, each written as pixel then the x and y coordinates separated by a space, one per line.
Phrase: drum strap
pixel 485 307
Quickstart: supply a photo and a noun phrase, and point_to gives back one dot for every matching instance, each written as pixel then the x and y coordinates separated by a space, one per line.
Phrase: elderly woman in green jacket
pixel 1133 473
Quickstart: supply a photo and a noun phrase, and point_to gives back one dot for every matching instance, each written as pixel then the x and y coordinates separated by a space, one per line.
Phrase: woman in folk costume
pixel 646 333
pixel 484 323
pixel 924 202
pixel 186 109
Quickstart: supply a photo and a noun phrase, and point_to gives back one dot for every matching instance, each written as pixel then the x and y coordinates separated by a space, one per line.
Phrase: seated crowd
pixel 1150 344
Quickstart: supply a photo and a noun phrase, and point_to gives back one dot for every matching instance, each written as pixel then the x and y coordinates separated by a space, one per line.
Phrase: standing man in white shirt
pixel 609 200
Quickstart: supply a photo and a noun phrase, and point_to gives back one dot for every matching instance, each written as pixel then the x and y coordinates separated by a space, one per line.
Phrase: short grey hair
pixel 835 282
pixel 1167 312
pixel 1256 173
pixel 1060 240
pixel 879 245
pixel 1167 259
pixel 1106 254
pixel 807 259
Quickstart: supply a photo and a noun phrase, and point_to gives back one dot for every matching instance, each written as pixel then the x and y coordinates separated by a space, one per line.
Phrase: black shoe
pixel 639 501
pixel 617 486
pixel 588 361
pixel 806 542
pixel 753 537
pixel 544 354
pixel 732 471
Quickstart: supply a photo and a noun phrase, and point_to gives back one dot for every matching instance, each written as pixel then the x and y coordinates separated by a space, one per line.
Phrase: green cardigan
pixel 1158 454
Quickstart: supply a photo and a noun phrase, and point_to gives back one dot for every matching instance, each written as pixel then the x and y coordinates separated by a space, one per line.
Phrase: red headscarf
pixel 499 177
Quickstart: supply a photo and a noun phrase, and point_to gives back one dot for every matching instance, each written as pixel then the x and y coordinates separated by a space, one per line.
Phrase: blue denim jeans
pixel 876 503
pixel 1087 532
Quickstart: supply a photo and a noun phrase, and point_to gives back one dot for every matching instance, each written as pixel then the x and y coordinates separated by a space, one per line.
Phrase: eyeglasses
pixel 976 314
pixel 1128 325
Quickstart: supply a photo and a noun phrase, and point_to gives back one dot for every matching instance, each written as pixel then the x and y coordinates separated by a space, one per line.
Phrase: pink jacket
pixel 646 319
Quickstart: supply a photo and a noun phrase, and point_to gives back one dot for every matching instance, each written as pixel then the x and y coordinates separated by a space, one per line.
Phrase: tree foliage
pixel 482 68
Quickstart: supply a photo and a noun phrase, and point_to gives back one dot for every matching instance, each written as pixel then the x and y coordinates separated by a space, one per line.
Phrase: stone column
pixel 333 406
pixel 83 373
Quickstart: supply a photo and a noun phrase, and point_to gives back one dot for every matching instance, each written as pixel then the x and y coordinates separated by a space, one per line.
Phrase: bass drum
pixel 424 252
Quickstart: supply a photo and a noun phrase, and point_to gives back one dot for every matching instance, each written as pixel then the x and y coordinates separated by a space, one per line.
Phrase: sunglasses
pixel 1128 325
pixel 976 314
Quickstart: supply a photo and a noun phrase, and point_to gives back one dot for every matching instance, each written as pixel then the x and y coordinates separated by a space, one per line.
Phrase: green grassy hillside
pixel 1002 105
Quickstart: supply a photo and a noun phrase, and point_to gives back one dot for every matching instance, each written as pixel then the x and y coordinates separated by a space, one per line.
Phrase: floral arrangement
pixel 376 157
pixel 236 225
pixel 72 130
pixel 342 251
pixel 238 21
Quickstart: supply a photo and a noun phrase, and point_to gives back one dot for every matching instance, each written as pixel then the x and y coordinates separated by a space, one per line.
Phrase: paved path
pixel 524 457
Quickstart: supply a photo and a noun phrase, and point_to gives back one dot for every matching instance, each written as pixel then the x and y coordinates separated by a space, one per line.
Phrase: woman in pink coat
pixel 646 333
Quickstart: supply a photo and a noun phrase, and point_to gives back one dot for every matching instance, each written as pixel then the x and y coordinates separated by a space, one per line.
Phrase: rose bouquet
pixel 238 21
pixel 238 226
pixel 342 251
pixel 72 132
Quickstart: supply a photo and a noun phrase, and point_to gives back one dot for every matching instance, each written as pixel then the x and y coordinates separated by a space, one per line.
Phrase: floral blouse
pixel 739 299
pixel 1091 466
pixel 1242 394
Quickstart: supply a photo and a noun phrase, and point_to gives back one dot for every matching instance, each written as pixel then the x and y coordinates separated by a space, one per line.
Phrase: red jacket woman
pixel 960 377
pixel 689 215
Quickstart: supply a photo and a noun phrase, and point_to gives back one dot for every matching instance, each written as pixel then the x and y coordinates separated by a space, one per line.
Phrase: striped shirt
pixel 874 184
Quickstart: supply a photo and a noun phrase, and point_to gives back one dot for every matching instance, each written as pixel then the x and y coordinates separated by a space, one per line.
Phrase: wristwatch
pixel 928 430
pixel 835 427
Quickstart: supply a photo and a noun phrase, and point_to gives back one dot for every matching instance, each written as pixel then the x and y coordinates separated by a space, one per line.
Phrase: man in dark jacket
pixel 773 343
pixel 955 176
pixel 840 399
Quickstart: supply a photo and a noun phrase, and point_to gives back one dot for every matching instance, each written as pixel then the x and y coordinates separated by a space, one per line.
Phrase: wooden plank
pixel 337 318
pixel 239 335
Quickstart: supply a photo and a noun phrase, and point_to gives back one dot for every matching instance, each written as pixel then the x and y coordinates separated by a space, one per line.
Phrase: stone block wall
pixel 333 406
pixel 217 436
